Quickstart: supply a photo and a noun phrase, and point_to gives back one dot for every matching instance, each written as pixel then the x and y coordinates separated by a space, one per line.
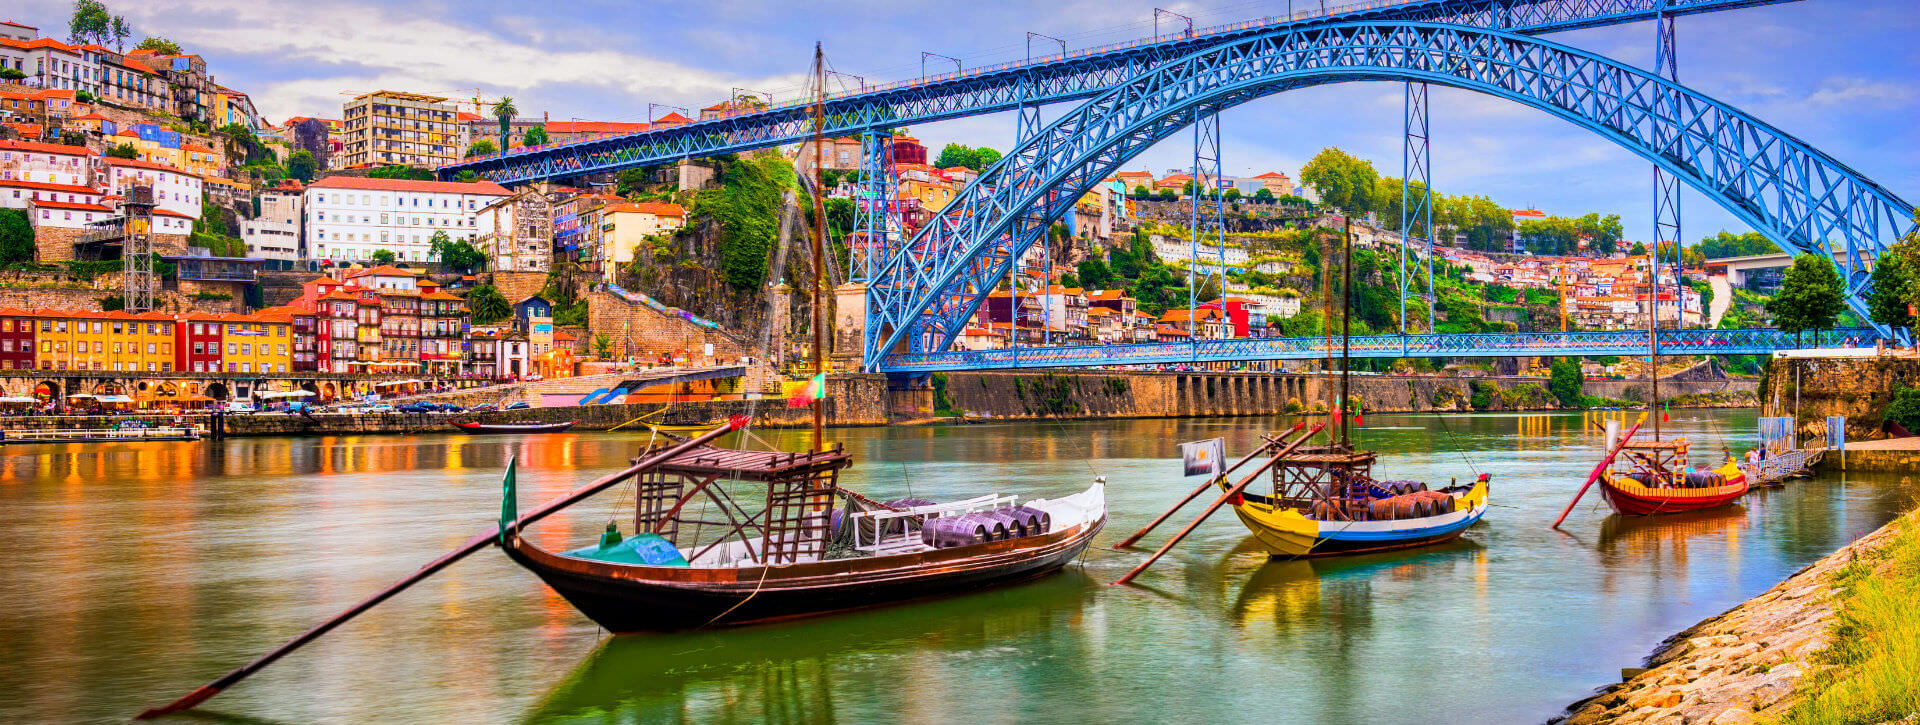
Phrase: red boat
pixel 478 427
pixel 1652 477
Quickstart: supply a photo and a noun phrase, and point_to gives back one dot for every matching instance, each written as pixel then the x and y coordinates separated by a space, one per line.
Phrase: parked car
pixel 450 408
pixel 483 408
pixel 380 408
pixel 416 408
pixel 522 405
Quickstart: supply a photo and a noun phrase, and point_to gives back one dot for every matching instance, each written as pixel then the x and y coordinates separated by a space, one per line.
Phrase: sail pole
pixel 819 231
pixel 1346 330
pixel 1653 336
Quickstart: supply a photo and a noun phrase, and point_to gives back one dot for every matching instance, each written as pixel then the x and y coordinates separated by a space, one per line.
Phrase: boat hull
pixel 1285 533
pixel 626 598
pixel 502 428
pixel 1629 498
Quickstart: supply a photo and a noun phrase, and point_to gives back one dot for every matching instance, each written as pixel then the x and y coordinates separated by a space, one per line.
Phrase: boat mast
pixel 1346 317
pixel 819 232
pixel 1653 336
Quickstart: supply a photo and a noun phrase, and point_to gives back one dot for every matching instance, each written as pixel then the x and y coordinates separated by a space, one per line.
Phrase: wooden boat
pixel 1324 502
pixel 123 434
pixel 796 557
pixel 677 429
pixel 480 427
pixel 1652 477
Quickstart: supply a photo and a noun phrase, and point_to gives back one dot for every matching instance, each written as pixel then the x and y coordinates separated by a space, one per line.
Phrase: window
pixel 233 348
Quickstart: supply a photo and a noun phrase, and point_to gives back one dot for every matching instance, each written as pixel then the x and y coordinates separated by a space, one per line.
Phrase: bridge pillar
pixel 849 341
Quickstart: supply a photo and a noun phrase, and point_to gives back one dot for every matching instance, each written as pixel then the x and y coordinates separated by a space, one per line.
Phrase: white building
pixel 174 191
pixel 48 163
pixel 1173 249
pixel 54 205
pixel 275 233
pixel 347 218
pixel 516 233
pixel 49 63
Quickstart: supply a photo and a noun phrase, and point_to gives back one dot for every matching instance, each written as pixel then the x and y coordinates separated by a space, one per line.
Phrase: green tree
pixel 301 165
pixel 977 159
pixel 1169 195
pixel 460 256
pixel 16 236
pixel 481 147
pixel 1141 191
pixel 382 256
pixel 120 32
pixel 90 23
pixel 1725 245
pixel 1094 273
pixel 487 306
pixel 159 45
pixel 1186 189
pixel 535 137
pixel 1639 250
pixel 83 97
pixel 1566 382
pixel 1264 195
pixel 11 74
pixel 1344 182
pixel 1603 233
pixel 603 346
pixel 504 111
pixel 1232 195
pixel 124 151
pixel 1893 291
pixel 396 171
pixel 1810 296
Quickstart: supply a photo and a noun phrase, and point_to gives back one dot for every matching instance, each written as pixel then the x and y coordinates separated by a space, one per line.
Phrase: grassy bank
pixel 1875 652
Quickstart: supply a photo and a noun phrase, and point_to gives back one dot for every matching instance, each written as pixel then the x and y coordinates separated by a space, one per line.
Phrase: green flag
pixel 509 506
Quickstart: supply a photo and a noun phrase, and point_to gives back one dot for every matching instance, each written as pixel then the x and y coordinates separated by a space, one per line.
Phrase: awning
pixel 271 394
pixel 114 399
pixel 80 395
pixel 18 399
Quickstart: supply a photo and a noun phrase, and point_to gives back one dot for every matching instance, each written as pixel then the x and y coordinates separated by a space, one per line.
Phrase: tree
pixel 603 346
pixel 481 147
pixel 1141 192
pixel 486 305
pixel 121 32
pixel 1725 245
pixel 1892 292
pixel 159 45
pixel 467 176
pixel 83 97
pixel 1810 296
pixel 1344 182
pixel 382 256
pixel 1264 195
pixel 124 151
pixel 301 165
pixel 90 23
pixel 1169 195
pixel 1639 250
pixel 977 159
pixel 16 236
pixel 1566 381
pixel 504 111
pixel 1094 273
pixel 1232 195
pixel 461 255
pixel 535 137
pixel 1186 189
pixel 396 171
pixel 11 74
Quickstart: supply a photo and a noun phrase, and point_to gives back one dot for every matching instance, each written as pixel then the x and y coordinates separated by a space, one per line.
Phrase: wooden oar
pixel 1209 483
pixel 1218 502
pixel 478 542
pixel 1595 476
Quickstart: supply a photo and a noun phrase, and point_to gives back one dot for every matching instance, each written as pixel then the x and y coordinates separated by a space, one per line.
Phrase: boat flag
pixel 815 389
pixel 509 501
pixel 1665 412
pixel 1203 458
pixel 1359 416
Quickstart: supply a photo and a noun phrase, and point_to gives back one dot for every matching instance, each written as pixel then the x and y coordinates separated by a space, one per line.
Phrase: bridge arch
pixel 1797 196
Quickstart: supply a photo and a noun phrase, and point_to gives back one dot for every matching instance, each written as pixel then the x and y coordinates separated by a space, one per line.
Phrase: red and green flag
pixel 814 390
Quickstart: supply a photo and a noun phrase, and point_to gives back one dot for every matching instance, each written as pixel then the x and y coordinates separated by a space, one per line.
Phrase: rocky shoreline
pixel 1737 667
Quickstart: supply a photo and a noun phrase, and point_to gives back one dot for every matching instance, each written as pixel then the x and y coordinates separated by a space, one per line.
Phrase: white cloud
pixel 1859 91
pixel 409 51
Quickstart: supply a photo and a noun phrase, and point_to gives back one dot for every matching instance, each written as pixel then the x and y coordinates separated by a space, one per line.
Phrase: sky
pixel 1843 75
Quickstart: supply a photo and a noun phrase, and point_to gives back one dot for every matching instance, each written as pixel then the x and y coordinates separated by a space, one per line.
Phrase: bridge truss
pixel 1803 200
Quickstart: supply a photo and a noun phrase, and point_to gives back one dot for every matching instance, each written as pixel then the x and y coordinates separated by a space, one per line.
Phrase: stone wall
pixel 55 244
pixel 641 331
pixel 1859 388
pixel 516 286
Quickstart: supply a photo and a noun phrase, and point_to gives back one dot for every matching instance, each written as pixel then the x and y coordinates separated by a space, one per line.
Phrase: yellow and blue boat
pixel 1325 503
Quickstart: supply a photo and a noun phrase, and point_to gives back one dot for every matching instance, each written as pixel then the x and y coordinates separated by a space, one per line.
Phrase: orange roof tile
pixel 43 186
pixel 46 148
pixel 656 208
pixel 138 164
pixel 486 188
pixel 75 207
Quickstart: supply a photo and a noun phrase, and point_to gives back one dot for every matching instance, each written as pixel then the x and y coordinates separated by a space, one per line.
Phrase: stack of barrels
pixel 1010 522
pixel 1416 505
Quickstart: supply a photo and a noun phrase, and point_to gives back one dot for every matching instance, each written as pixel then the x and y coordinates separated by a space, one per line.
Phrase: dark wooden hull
pixel 514 427
pixel 626 599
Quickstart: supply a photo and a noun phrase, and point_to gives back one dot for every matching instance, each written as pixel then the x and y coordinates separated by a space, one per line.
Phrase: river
pixel 136 572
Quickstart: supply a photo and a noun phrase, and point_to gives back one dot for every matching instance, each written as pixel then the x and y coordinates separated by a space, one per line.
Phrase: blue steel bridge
pixel 922 289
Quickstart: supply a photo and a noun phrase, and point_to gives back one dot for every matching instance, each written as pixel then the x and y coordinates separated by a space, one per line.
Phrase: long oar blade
pixel 478 542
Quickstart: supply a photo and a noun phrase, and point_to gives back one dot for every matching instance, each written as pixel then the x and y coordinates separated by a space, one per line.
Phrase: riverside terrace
pixel 60 384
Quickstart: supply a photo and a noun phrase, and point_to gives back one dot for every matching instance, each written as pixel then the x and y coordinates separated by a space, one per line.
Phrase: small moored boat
pixel 1324 502
pixel 1652 477
pixel 815 548
pixel 479 427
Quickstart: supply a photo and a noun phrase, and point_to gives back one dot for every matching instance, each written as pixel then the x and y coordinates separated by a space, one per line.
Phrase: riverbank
pixel 1774 657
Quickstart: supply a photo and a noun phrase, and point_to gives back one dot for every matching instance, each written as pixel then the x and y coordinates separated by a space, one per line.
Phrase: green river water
pixel 136 572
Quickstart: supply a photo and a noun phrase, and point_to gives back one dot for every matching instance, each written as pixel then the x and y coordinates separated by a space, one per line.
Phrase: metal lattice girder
pixel 1051 80
pixel 876 220
pixel 1503 344
pixel 1416 207
pixel 1795 195
pixel 1208 224
pixel 1666 188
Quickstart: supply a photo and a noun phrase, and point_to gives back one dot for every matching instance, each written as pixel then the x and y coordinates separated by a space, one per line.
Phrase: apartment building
pixel 517 233
pixel 275 232
pixel 625 227
pixel 176 192
pixel 347 218
pixel 49 163
pixel 409 129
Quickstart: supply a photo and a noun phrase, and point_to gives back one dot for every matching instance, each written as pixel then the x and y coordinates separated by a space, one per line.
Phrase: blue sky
pixel 1842 74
